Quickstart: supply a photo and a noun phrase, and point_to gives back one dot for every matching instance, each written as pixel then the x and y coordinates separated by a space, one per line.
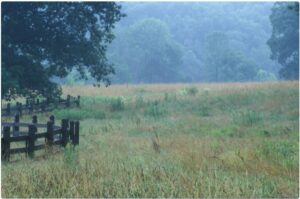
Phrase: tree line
pixel 45 44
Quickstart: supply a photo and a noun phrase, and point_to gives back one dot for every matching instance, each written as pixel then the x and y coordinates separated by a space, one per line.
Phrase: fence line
pixel 68 132
pixel 36 106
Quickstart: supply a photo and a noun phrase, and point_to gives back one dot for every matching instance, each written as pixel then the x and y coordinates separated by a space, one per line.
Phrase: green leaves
pixel 284 42
pixel 147 52
pixel 55 34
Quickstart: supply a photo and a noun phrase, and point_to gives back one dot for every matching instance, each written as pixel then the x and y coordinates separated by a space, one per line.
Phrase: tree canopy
pixel 148 51
pixel 284 42
pixel 222 62
pixel 246 25
pixel 41 40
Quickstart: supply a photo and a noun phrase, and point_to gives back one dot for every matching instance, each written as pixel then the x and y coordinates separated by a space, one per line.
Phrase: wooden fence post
pixel 64 132
pixel 72 128
pixel 68 101
pixel 6 143
pixel 16 127
pixel 8 109
pixel 34 119
pixel 52 119
pixel 76 135
pixel 31 140
pixel 50 133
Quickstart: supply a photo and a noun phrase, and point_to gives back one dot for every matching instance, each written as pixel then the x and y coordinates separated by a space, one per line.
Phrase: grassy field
pixel 177 140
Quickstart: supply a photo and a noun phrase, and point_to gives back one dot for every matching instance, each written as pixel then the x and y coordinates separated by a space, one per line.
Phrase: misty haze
pixel 150 99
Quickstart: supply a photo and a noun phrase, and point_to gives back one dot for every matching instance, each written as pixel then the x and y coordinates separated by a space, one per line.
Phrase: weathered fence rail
pixel 32 106
pixel 68 132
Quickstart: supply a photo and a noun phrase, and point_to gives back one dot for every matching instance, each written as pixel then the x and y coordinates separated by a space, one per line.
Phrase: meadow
pixel 170 140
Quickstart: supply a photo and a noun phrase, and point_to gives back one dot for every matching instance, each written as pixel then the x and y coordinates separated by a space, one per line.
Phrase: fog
pixel 188 42
pixel 174 42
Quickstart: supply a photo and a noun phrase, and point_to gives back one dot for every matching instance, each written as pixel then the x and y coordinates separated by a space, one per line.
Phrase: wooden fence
pixel 53 134
pixel 36 106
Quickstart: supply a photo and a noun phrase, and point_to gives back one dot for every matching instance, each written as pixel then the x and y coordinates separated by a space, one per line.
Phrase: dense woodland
pixel 146 42
pixel 193 42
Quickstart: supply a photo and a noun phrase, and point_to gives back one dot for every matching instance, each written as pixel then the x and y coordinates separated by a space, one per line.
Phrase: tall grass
pixel 231 140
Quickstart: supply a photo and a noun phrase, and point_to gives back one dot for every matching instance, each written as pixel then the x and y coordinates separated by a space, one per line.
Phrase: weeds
pixel 192 91
pixel 71 156
pixel 155 143
pixel 155 109
pixel 79 114
pixel 139 102
pixel 247 118
pixel 117 104
pixel 247 147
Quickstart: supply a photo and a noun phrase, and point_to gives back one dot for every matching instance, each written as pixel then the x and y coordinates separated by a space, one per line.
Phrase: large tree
pixel 284 42
pixel 41 40
pixel 149 52
pixel 224 63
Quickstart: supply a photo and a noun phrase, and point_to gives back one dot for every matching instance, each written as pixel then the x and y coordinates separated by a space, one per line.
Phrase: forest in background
pixel 191 42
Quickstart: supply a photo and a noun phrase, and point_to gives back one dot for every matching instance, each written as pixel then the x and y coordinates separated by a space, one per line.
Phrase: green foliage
pixel 225 63
pixel 192 91
pixel 149 51
pixel 139 102
pixel 284 42
pixel 155 109
pixel 265 76
pixel 71 156
pixel 179 153
pixel 246 26
pixel 117 104
pixel 247 117
pixel 80 114
pixel 282 150
pixel 203 110
pixel 41 40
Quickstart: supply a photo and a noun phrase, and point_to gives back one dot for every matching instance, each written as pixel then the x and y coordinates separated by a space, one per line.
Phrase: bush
pixel 79 114
pixel 192 91
pixel 203 110
pixel 285 151
pixel 117 104
pixel 154 109
pixel 247 118
pixel 189 91
pixel 139 102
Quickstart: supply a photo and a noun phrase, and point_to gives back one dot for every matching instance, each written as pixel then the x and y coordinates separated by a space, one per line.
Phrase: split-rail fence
pixel 32 106
pixel 67 132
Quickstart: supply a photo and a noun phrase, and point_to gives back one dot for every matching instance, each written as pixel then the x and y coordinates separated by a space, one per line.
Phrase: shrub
pixel 154 109
pixel 247 117
pixel 79 114
pixel 203 110
pixel 139 102
pixel 188 91
pixel 285 151
pixel 117 104
pixel 192 91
